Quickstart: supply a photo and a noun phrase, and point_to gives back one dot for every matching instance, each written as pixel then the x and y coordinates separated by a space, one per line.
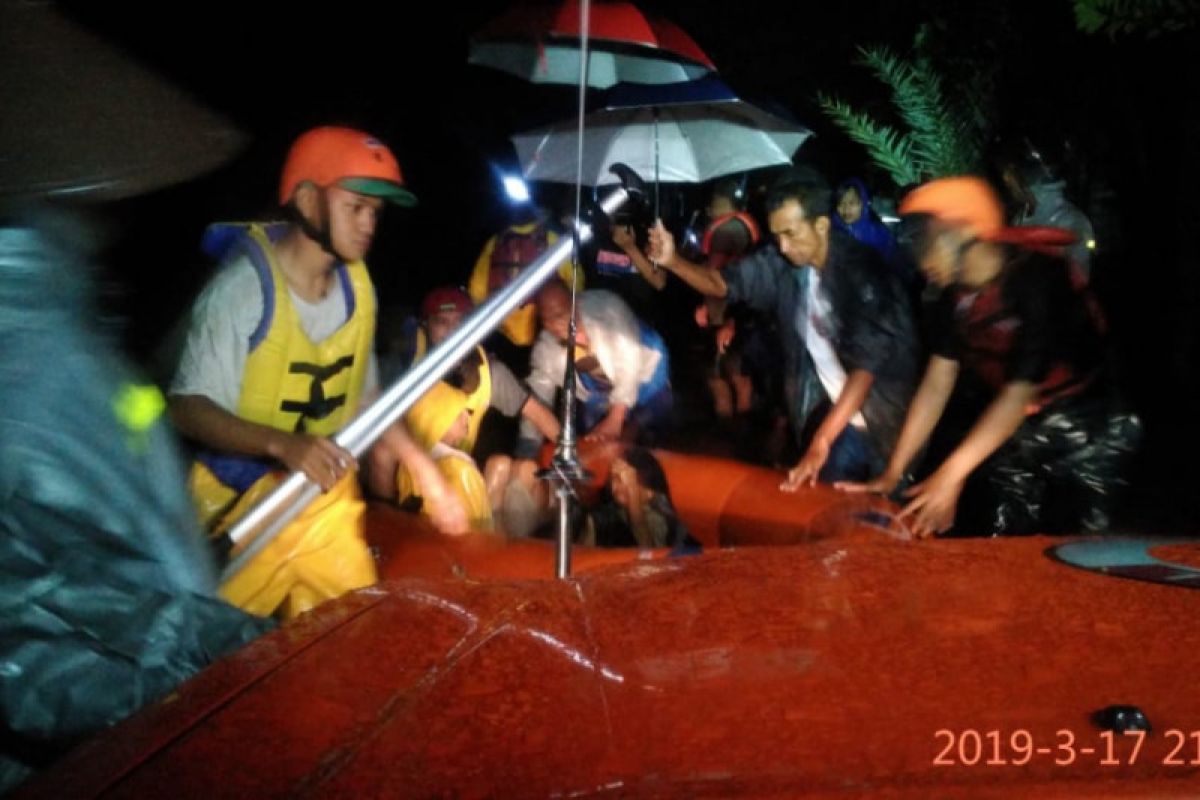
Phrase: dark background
pixel 1126 103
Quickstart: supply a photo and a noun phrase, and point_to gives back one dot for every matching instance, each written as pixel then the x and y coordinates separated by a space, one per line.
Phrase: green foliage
pixel 1149 18
pixel 942 137
pixel 888 148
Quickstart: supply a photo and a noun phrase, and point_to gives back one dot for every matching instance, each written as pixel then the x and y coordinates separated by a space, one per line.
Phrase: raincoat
pixel 868 228
pixel 630 353
pixel 107 586
pixel 290 383
pixel 429 419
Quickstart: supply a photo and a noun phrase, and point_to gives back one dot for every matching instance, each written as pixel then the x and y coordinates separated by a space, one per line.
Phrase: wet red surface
pixel 843 666
pixel 723 503
pixel 1186 554
pixel 730 503
pixel 409 547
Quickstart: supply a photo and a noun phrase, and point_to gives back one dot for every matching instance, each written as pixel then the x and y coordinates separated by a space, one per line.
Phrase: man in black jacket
pixel 850 344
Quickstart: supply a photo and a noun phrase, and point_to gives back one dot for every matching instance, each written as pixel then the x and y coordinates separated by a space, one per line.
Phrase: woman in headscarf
pixel 856 217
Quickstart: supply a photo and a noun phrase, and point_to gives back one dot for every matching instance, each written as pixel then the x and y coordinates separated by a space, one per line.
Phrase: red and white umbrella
pixel 541 44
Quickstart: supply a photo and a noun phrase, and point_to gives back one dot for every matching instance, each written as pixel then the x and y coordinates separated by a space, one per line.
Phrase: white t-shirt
pixel 614 338
pixel 223 320
pixel 817 311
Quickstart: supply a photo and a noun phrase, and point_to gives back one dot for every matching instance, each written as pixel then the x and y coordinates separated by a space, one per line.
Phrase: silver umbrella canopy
pixel 81 119
pixel 687 132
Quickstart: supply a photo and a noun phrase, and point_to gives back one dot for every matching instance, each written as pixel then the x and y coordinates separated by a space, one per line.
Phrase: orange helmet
pixel 966 201
pixel 351 159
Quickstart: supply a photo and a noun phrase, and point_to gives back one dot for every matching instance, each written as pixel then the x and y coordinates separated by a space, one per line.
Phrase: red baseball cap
pixel 445 298
pixel 349 158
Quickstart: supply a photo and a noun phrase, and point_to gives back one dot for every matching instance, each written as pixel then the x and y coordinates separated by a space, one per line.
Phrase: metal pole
pixel 565 469
pixel 562 560
pixel 655 112
pixel 267 519
pixel 565 463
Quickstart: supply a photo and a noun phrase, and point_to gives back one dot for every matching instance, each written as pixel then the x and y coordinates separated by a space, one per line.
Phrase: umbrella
pixel 679 133
pixel 541 44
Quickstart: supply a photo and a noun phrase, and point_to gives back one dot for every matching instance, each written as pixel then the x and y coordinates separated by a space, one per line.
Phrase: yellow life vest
pixel 478 401
pixel 521 326
pixel 291 383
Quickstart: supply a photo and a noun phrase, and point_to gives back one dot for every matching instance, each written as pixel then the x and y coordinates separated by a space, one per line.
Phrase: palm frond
pixel 1149 18
pixel 889 149
pixel 919 108
pixel 941 135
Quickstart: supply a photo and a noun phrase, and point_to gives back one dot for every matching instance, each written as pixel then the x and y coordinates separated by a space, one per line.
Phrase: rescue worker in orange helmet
pixel 279 357
pixel 1052 443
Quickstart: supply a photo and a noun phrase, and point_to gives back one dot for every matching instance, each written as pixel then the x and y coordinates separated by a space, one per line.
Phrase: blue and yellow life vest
pixel 289 382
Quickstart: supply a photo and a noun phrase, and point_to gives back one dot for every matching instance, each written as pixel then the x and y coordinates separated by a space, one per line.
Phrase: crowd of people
pixel 859 339
pixel 811 313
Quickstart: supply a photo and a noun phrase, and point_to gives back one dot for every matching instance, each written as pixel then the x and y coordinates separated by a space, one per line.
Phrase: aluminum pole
pixel 267 519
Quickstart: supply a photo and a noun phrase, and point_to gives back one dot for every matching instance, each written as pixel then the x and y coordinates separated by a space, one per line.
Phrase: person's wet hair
pixel 650 473
pixel 731 190
pixel 807 188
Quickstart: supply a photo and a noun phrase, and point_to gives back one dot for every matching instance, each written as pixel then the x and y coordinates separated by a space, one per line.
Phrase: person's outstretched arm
pixel 935 499
pixel 541 417
pixel 849 403
pixel 622 236
pixel 446 508
pixel 703 279
pixel 923 413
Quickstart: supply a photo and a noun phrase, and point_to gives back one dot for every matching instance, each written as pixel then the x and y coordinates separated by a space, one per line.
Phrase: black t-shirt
pixel 1029 324
pixel 607 266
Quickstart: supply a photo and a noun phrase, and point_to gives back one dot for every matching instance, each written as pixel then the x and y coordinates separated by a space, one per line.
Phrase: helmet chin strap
pixel 318 233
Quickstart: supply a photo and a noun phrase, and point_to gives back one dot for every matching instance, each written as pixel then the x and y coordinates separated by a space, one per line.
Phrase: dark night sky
pixel 1128 105
pixel 276 71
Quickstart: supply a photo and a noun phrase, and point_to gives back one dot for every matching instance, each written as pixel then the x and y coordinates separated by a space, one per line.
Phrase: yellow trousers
pixel 321 554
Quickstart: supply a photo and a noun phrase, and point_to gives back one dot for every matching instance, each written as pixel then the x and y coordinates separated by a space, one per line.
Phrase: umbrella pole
pixel 656 162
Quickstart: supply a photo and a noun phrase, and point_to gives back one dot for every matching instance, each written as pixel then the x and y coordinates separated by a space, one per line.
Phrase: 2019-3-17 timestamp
pixel 995 748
